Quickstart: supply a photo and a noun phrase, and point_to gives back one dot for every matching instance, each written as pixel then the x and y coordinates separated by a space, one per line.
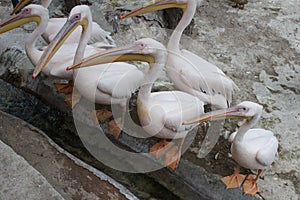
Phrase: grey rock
pixel 19 180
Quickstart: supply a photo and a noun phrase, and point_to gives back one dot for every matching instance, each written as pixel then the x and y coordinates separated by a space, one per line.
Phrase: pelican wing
pixel 101 38
pixel 205 77
pixel 183 107
pixel 119 79
pixel 53 27
pixel 64 58
pixel 266 155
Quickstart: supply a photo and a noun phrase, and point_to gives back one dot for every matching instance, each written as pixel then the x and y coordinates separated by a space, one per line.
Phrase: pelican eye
pixel 243 109
pixel 27 10
pixel 75 17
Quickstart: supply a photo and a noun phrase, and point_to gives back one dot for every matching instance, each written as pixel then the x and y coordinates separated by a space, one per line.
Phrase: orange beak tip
pixel 33 77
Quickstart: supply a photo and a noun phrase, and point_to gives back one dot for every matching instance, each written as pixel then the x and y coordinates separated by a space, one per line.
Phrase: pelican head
pixel 146 49
pixel 155 5
pixel 79 16
pixel 246 110
pixel 31 13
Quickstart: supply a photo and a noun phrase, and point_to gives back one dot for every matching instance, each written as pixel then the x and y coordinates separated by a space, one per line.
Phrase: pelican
pixel 105 84
pixel 56 68
pixel 161 113
pixel 99 37
pixel 250 148
pixel 187 71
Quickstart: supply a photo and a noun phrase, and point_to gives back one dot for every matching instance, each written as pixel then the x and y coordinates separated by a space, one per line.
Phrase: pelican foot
pixel 233 181
pixel 167 151
pixel 115 127
pixel 250 185
pixel 101 116
pixel 66 88
pixel 73 99
pixel 172 158
pixel 159 149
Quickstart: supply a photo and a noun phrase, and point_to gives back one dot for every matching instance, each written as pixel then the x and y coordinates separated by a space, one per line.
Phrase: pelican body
pixel 189 72
pixel 256 150
pixel 250 148
pixel 99 37
pixel 161 113
pixel 104 84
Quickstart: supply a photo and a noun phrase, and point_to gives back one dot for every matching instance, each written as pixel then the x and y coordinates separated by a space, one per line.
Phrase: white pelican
pixel 189 72
pixel 250 148
pixel 161 113
pixel 56 68
pixel 105 84
pixel 99 37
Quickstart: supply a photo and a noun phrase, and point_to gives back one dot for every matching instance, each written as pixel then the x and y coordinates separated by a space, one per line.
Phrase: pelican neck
pixel 32 52
pixel 185 20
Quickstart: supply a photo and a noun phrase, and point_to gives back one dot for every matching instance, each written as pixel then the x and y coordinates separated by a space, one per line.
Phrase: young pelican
pixel 161 113
pixel 99 38
pixel 250 148
pixel 189 72
pixel 104 84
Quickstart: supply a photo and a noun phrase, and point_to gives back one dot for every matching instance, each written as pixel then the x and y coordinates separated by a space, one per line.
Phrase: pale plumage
pixel 38 14
pixel 261 146
pixel 187 71
pixel 161 113
pixel 251 148
pixel 104 84
pixel 99 37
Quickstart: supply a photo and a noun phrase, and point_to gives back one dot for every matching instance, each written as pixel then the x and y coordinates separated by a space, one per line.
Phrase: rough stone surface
pixel 19 180
pixel 47 172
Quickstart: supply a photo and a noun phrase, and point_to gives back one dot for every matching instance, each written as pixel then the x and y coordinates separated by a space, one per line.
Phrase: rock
pixel 19 180
pixel 48 169
pixel 13 66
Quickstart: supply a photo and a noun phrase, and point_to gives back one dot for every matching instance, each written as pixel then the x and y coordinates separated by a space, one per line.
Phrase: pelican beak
pixel 155 5
pixel 72 23
pixel 127 53
pixel 227 113
pixel 21 4
pixel 18 20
